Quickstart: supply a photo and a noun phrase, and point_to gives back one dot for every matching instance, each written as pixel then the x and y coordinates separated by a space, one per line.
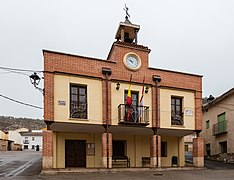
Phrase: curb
pixel 51 172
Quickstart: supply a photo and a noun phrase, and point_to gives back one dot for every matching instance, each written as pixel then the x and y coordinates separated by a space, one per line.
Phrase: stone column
pixel 47 150
pixel 106 150
pixel 198 152
pixel 155 159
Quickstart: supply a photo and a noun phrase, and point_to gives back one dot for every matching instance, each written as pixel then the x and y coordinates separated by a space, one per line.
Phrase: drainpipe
pixel 156 79
pixel 106 72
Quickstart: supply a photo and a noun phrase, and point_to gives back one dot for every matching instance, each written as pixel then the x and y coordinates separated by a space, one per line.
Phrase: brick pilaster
pixel 153 151
pixel 47 150
pixel 104 103
pixel 104 149
pixel 198 152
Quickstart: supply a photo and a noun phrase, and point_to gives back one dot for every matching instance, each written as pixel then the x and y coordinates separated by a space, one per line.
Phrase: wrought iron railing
pixel 78 110
pixel 220 127
pixel 135 115
pixel 177 118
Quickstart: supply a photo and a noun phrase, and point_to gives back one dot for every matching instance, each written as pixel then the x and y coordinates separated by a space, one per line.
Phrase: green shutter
pixel 222 122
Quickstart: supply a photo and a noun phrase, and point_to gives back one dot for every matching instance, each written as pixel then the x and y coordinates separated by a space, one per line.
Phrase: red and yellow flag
pixel 129 96
pixel 142 92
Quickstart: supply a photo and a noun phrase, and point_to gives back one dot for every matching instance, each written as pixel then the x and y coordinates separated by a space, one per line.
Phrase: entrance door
pixel 119 149
pixel 75 153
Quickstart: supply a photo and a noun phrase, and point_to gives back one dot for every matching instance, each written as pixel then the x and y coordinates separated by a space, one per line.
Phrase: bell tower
pixel 127 32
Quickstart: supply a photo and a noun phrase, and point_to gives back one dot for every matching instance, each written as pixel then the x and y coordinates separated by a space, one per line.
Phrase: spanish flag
pixel 142 92
pixel 129 96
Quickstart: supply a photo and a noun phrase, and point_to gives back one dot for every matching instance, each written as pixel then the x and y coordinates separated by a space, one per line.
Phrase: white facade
pixel 32 140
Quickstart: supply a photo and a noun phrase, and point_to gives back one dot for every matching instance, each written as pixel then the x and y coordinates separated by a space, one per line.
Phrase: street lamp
pixel 35 80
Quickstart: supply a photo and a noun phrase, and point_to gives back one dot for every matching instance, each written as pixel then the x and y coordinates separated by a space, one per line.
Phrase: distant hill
pixel 8 123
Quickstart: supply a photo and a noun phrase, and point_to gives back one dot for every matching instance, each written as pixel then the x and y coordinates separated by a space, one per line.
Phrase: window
pixel 33 138
pixel 119 148
pixel 186 148
pixel 176 111
pixel 208 149
pixel 164 149
pixel 207 124
pixel 25 146
pixel 33 147
pixel 26 138
pixel 223 147
pixel 78 101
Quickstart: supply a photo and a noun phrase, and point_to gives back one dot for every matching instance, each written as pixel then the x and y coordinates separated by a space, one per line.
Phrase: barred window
pixel 176 111
pixel 78 101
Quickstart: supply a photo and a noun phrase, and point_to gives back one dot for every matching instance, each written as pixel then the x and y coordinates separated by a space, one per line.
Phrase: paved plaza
pixel 27 165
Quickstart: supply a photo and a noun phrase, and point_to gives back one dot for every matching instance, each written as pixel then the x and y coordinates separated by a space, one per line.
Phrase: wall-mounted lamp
pixel 117 86
pixel 146 89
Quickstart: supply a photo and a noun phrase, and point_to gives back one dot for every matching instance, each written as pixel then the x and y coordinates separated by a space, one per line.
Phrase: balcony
pixel 26 142
pixel 177 118
pixel 220 127
pixel 133 115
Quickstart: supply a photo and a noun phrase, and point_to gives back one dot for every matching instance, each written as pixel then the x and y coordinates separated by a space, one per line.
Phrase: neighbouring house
pixel 32 140
pixel 188 142
pixel 10 141
pixel 118 111
pixel 218 127
pixel 11 129
pixel 3 141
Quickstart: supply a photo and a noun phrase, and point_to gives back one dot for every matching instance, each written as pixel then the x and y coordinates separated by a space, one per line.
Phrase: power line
pixel 15 69
pixel 26 104
pixel 11 71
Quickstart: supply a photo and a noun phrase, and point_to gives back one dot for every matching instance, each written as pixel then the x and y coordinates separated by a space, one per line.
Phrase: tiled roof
pixel 31 133
pixel 132 45
pixel 218 99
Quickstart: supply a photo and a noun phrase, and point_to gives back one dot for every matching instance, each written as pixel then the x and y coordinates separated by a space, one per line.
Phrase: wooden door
pixel 75 153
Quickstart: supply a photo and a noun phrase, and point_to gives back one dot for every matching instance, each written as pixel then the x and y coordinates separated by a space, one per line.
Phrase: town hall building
pixel 118 111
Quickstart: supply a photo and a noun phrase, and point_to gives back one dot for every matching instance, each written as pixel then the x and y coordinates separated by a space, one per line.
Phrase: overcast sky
pixel 194 36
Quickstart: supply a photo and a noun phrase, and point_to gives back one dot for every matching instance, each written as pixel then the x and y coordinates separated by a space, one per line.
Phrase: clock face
pixel 132 61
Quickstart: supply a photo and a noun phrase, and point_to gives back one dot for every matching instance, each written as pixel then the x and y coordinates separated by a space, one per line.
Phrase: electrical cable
pixel 15 69
pixel 26 104
pixel 11 71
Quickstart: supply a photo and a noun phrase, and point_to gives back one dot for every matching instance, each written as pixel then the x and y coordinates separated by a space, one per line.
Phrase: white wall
pixel 14 136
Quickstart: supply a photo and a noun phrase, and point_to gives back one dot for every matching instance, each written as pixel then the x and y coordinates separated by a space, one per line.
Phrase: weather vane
pixel 126 10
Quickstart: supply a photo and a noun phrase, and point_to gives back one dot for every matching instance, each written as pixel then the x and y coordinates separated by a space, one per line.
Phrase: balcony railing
pixel 26 142
pixel 177 118
pixel 133 115
pixel 220 127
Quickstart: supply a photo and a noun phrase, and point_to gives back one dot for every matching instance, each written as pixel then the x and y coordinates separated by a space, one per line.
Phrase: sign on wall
pixel 90 149
pixel 189 112
pixel 61 103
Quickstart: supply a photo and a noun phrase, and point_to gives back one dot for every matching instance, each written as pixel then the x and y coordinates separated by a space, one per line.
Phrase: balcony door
pixel 131 113
pixel 222 122
pixel 134 97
